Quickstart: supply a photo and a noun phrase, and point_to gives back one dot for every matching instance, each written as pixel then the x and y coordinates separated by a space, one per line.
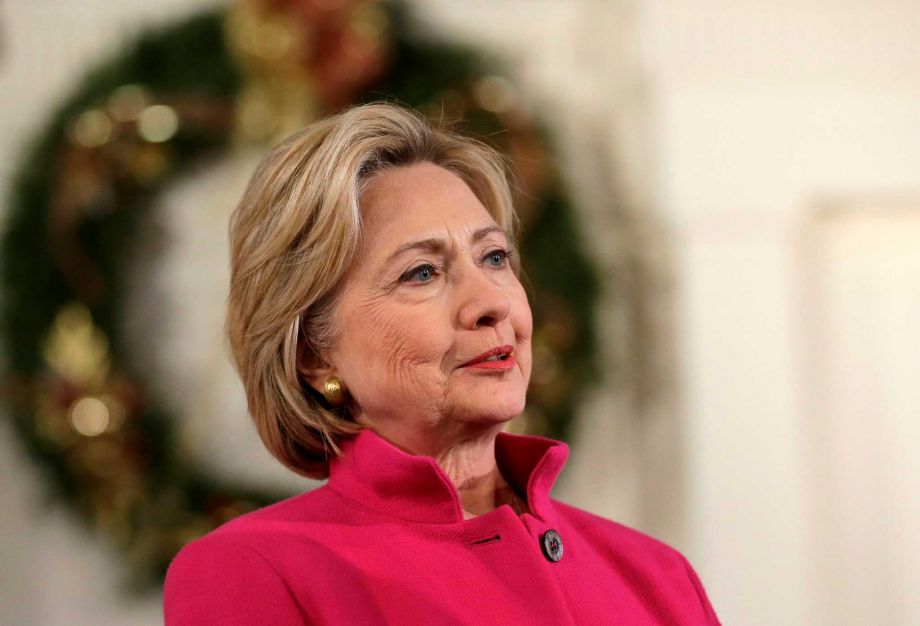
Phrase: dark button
pixel 552 545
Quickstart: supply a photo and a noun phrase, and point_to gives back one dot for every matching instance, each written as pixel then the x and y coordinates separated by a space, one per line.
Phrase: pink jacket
pixel 385 542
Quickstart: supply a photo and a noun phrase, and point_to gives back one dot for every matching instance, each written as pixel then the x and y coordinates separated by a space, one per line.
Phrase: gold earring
pixel 334 391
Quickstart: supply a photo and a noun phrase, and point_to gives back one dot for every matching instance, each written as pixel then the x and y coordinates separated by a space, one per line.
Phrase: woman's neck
pixel 474 472
pixel 469 462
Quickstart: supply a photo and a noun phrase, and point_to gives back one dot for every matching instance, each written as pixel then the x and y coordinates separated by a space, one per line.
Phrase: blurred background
pixel 721 207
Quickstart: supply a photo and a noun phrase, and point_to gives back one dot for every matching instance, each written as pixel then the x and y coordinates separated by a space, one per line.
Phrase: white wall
pixel 768 112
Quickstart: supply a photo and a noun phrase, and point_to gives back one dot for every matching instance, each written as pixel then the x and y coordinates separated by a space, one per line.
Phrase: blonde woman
pixel 383 339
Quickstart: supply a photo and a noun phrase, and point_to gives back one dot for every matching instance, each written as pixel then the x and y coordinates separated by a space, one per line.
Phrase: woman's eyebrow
pixel 435 245
pixel 488 230
pixel 428 245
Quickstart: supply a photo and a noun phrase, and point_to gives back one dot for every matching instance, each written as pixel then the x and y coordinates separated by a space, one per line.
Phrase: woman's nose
pixel 482 301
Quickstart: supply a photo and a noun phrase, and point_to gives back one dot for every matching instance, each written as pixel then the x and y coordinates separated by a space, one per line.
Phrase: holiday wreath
pixel 180 96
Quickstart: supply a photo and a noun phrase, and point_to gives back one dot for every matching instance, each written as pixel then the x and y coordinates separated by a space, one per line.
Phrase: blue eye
pixel 421 274
pixel 497 258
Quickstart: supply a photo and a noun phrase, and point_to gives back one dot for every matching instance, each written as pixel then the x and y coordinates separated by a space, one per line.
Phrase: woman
pixel 384 339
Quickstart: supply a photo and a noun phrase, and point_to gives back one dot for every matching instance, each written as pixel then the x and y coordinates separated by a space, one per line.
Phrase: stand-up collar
pixel 414 487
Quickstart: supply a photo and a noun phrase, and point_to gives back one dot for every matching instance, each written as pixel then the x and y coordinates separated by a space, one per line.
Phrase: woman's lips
pixel 499 364
pixel 500 358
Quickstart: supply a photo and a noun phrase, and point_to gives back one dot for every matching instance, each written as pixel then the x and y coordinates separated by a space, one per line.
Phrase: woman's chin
pixel 494 410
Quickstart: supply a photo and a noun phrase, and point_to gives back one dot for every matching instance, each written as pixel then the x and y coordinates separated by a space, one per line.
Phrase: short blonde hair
pixel 292 239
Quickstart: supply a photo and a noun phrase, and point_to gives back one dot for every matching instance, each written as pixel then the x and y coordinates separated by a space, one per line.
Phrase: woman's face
pixel 431 293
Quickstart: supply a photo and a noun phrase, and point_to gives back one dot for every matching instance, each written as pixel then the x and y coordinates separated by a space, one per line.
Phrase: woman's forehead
pixel 421 202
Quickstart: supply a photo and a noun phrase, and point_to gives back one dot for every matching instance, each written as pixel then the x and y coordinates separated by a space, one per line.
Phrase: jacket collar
pixel 375 472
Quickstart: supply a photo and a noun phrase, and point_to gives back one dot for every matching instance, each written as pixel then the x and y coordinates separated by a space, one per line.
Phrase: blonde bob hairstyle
pixel 293 238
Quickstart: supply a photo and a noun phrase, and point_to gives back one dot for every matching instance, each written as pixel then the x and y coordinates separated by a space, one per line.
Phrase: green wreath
pixel 135 125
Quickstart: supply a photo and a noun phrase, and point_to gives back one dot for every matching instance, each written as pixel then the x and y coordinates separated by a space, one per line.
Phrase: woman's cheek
pixel 523 331
pixel 403 343
pixel 522 316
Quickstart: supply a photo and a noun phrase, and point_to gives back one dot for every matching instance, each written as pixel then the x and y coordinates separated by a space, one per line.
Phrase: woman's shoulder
pixel 233 574
pixel 645 556
pixel 253 538
pixel 218 579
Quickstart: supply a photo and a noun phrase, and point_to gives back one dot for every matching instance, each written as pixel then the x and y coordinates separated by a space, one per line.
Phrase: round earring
pixel 334 391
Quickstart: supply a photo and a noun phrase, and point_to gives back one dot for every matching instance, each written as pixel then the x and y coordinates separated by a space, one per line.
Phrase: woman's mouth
pixel 500 358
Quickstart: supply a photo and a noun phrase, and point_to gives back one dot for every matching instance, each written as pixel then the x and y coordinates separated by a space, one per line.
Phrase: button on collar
pixel 552 545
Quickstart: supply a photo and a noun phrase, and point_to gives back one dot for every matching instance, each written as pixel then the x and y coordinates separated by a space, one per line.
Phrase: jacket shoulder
pixel 231 575
pixel 218 579
pixel 634 550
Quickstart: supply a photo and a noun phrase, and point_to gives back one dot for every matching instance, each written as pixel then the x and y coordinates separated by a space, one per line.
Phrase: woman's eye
pixel 497 258
pixel 420 274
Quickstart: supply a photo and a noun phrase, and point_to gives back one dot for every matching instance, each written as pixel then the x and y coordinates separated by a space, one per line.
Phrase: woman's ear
pixel 314 368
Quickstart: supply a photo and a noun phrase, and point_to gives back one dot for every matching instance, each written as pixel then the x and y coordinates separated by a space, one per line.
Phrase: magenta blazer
pixel 384 542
